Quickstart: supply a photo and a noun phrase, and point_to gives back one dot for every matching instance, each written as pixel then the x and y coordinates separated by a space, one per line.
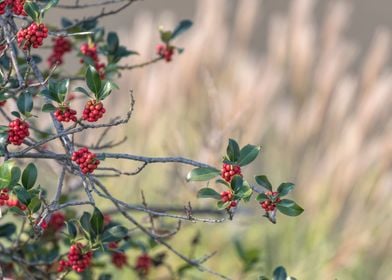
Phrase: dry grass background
pixel 322 123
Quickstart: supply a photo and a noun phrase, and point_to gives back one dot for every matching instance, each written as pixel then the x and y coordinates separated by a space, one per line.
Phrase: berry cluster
pixel 165 52
pixel 228 171
pixel 77 260
pixel 18 131
pixel 228 196
pixel 4 196
pixel 32 36
pixel 143 264
pixel 65 114
pixel 16 5
pixel 91 51
pixel 61 46
pixel 2 103
pixel 86 160
pixel 5 200
pixel 270 205
pixel 56 221
pixel 93 111
pixel 119 259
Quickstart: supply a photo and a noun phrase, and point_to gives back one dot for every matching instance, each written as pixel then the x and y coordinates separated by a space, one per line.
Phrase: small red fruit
pixel 18 131
pixel 93 111
pixel 86 160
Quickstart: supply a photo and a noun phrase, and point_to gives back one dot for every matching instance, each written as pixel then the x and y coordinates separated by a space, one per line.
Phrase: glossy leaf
pixel 71 228
pixel 223 205
pixel 115 233
pixel 22 194
pixel 34 205
pixel 208 193
pixel 202 174
pixel 48 108
pixel 233 150
pixel 113 42
pixel 289 207
pixel 83 90
pixel 263 181
pixel 248 154
pixel 32 9
pixel 15 176
pixel 93 80
pixel 285 188
pixel 236 183
pixel 25 102
pixel 6 230
pixel 183 26
pixel 29 176
pixel 6 174
pixel 261 197
pixel 97 221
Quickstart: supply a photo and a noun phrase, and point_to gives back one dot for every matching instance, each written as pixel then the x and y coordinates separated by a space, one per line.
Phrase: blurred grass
pixel 322 124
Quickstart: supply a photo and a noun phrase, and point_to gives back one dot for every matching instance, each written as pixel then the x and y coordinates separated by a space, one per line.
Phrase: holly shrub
pixel 43 234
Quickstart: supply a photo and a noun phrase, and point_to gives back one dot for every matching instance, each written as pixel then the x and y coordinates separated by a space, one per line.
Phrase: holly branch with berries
pixel 51 231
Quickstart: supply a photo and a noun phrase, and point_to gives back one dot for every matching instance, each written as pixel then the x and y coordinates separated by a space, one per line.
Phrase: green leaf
pixel 16 114
pixel 6 174
pixel 115 233
pixel 183 26
pixel 221 181
pixel 15 176
pixel 248 154
pixel 263 181
pixel 261 197
pixel 62 87
pixel 208 193
pixel 34 205
pixel 32 9
pixel 29 176
pixel 223 205
pixel 97 221
pixel 245 192
pixel 233 150
pixel 202 174
pixel 71 228
pixel 105 90
pixel 22 194
pixel 289 207
pixel 86 225
pixel 82 90
pixel 93 80
pixel 47 108
pixel 6 230
pixel 113 42
pixel 285 188
pixel 279 273
pixel 166 36
pixel 50 4
pixel 236 183
pixel 25 102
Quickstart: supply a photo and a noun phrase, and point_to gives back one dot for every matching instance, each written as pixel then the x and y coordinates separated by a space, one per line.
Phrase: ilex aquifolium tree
pixel 52 220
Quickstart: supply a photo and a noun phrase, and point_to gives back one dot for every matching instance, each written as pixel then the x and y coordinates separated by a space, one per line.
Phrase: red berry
pixel 32 36
pixel 165 52
pixel 119 259
pixel 61 46
pixel 229 171
pixel 91 51
pixel 93 111
pixel 86 160
pixel 18 131
pixel 143 264
pixel 65 114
